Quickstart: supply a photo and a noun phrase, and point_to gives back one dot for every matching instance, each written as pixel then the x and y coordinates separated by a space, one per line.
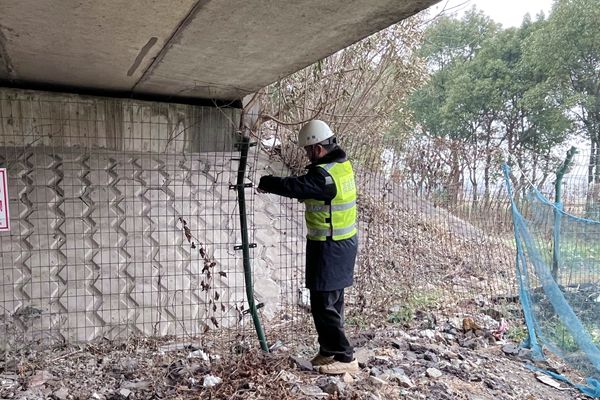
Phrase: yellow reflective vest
pixel 335 219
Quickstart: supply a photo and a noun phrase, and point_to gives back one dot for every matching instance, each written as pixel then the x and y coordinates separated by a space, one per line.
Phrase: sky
pixel 507 12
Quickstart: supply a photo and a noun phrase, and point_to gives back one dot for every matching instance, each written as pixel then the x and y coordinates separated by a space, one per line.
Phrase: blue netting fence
pixel 558 270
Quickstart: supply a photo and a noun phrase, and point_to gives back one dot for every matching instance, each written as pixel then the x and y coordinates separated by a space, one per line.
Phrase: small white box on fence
pixel 4 214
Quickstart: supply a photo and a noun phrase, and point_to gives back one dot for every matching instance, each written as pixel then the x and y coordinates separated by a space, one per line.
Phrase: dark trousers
pixel 328 313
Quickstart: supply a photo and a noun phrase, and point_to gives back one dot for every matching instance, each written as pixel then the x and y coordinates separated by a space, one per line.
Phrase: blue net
pixel 558 270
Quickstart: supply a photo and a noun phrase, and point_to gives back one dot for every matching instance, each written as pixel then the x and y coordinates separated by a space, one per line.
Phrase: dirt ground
pixel 454 360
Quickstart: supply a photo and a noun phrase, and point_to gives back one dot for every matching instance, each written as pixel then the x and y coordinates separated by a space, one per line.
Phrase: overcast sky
pixel 507 12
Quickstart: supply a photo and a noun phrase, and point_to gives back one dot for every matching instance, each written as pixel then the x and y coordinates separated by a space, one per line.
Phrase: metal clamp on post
pixel 258 306
pixel 244 186
pixel 241 246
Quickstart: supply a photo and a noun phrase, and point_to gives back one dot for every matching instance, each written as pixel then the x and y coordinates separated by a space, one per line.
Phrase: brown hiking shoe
pixel 339 368
pixel 320 359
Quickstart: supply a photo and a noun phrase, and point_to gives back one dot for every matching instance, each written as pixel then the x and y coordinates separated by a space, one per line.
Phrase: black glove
pixel 263 184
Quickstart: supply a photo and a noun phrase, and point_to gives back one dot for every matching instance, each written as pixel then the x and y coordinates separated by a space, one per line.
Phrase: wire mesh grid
pixel 124 223
pixel 123 220
pixel 577 248
pixel 280 233
pixel 558 260
pixel 428 251
pixel 417 249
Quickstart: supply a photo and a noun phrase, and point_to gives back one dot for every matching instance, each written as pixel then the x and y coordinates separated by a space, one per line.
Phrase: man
pixel 329 194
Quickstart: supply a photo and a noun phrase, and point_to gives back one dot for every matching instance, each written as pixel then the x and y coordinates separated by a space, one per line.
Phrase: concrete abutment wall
pixel 122 219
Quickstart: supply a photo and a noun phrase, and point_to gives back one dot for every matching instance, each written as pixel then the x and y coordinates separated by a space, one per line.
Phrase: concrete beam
pixel 182 48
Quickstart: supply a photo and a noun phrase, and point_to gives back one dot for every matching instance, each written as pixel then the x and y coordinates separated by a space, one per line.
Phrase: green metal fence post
pixel 245 246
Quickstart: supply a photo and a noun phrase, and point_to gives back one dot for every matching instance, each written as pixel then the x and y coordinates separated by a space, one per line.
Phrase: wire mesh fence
pixel 124 223
pixel 556 228
pixel 123 220
pixel 419 250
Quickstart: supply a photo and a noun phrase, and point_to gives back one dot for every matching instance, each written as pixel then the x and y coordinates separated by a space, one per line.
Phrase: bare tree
pixel 359 91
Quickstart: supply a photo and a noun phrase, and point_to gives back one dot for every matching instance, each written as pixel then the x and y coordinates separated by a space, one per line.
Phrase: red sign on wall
pixel 4 215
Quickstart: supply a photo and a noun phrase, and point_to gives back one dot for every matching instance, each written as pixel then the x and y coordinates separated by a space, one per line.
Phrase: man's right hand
pixel 260 187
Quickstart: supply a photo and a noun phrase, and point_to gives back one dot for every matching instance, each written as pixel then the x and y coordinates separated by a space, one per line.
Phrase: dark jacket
pixel 329 264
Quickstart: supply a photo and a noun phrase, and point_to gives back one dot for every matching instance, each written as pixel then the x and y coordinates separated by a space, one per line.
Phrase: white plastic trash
pixel 210 381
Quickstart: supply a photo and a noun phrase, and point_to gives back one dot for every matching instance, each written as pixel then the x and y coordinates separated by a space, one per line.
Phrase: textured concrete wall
pixel 124 222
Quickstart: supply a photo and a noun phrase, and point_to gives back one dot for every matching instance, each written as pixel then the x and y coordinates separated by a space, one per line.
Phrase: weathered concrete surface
pixel 97 188
pixel 208 49
pixel 44 119
pixel 88 43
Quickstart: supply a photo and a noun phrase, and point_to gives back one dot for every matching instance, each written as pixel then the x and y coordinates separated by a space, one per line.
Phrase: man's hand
pixel 260 188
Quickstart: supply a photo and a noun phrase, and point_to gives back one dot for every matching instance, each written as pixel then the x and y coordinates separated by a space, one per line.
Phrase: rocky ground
pixel 458 359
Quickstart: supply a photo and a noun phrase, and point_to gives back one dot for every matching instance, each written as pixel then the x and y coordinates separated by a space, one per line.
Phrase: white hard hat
pixel 314 132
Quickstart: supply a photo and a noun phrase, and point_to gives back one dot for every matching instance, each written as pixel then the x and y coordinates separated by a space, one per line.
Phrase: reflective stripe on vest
pixel 336 220
pixel 329 232
pixel 330 207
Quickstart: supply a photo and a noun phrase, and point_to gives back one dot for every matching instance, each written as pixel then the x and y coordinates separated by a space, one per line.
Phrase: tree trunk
pixel 455 172
pixel 592 201
pixel 597 159
pixel 592 161
pixel 486 178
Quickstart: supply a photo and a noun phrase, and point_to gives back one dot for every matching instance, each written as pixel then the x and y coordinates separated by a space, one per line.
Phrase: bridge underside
pixel 182 48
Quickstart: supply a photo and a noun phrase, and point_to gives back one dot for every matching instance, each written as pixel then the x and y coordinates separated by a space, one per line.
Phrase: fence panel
pixel 123 221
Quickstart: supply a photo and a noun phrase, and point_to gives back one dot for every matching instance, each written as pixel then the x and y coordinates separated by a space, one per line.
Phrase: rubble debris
pixel 549 381
pixel 510 349
pixel 302 363
pixel 407 364
pixel 434 373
